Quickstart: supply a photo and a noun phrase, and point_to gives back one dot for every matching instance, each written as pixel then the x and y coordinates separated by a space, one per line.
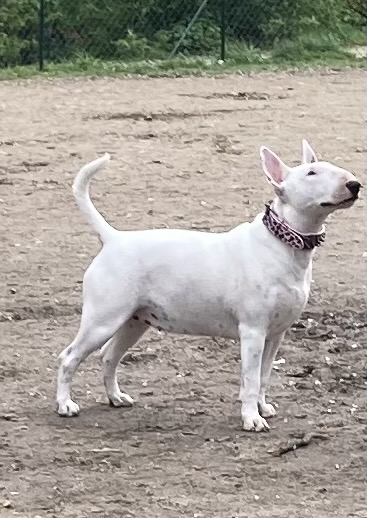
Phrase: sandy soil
pixel 185 155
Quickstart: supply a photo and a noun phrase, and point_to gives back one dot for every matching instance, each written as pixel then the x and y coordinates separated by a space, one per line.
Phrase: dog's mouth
pixel 341 203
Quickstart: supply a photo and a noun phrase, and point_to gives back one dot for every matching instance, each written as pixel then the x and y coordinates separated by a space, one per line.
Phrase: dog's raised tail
pixel 81 193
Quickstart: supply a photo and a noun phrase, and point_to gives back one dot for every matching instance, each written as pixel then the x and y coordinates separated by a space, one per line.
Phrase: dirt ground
pixel 185 155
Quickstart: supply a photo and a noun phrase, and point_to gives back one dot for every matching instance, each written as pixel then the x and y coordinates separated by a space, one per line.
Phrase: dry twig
pixel 297 442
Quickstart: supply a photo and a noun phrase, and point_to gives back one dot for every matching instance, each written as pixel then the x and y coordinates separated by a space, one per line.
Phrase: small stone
pixel 10 417
pixel 279 362
pixel 7 504
pixel 256 497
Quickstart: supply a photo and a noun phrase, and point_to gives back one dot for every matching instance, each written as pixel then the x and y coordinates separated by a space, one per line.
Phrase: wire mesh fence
pixel 37 31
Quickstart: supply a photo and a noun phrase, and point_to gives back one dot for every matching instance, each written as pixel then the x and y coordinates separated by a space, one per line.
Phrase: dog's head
pixel 314 189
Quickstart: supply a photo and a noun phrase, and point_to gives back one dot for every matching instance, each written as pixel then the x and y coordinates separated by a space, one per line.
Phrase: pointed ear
pixel 308 154
pixel 275 170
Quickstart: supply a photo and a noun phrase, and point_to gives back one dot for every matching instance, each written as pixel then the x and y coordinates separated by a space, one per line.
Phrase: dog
pixel 251 282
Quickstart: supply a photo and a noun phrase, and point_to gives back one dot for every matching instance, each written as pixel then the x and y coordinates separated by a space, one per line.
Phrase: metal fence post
pixel 223 30
pixel 187 30
pixel 41 33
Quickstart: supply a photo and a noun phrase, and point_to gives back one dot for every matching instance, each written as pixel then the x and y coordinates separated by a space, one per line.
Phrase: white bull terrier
pixel 251 282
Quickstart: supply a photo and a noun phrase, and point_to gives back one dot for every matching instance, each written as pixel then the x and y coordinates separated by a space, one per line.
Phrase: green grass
pixel 353 35
pixel 310 49
pixel 305 53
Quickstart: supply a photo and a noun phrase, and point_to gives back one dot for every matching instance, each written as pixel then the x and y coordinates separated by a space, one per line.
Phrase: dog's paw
pixel 267 410
pixel 120 399
pixel 68 409
pixel 255 424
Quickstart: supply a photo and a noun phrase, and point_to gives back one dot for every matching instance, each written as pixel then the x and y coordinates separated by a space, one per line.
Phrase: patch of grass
pixel 311 50
pixel 350 35
pixel 305 53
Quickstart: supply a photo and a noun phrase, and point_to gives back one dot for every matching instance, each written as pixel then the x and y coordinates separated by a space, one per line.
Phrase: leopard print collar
pixel 280 229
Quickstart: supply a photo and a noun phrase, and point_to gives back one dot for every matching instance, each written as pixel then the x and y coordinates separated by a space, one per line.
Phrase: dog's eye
pixel 311 173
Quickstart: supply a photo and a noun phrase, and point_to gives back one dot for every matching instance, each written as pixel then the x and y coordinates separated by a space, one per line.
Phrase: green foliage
pixel 269 21
pixel 132 47
pixel 136 30
pixel 18 32
pixel 359 9
pixel 203 37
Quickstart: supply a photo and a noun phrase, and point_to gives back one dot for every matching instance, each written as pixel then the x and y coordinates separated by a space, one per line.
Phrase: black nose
pixel 353 187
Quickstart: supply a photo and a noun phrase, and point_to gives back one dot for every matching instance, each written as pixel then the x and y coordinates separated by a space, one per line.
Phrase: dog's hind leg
pixel 111 354
pixel 105 310
pixel 91 336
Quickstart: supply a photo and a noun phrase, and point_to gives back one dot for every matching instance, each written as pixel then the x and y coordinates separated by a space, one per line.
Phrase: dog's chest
pixel 286 304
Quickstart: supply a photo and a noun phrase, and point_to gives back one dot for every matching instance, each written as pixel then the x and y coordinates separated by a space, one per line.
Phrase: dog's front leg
pixel 252 347
pixel 271 347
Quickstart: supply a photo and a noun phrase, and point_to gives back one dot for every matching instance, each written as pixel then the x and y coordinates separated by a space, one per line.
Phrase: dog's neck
pixel 296 220
pixel 281 229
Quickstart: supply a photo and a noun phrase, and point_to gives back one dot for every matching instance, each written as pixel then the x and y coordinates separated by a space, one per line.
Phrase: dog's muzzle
pixel 280 229
pixel 353 187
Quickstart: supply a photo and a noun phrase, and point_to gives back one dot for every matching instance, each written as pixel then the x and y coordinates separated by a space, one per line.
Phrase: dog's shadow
pixel 100 421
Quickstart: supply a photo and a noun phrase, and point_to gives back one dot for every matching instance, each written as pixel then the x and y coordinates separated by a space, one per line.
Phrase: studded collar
pixel 280 229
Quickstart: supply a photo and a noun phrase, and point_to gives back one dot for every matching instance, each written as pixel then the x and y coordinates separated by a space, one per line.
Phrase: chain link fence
pixel 53 31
